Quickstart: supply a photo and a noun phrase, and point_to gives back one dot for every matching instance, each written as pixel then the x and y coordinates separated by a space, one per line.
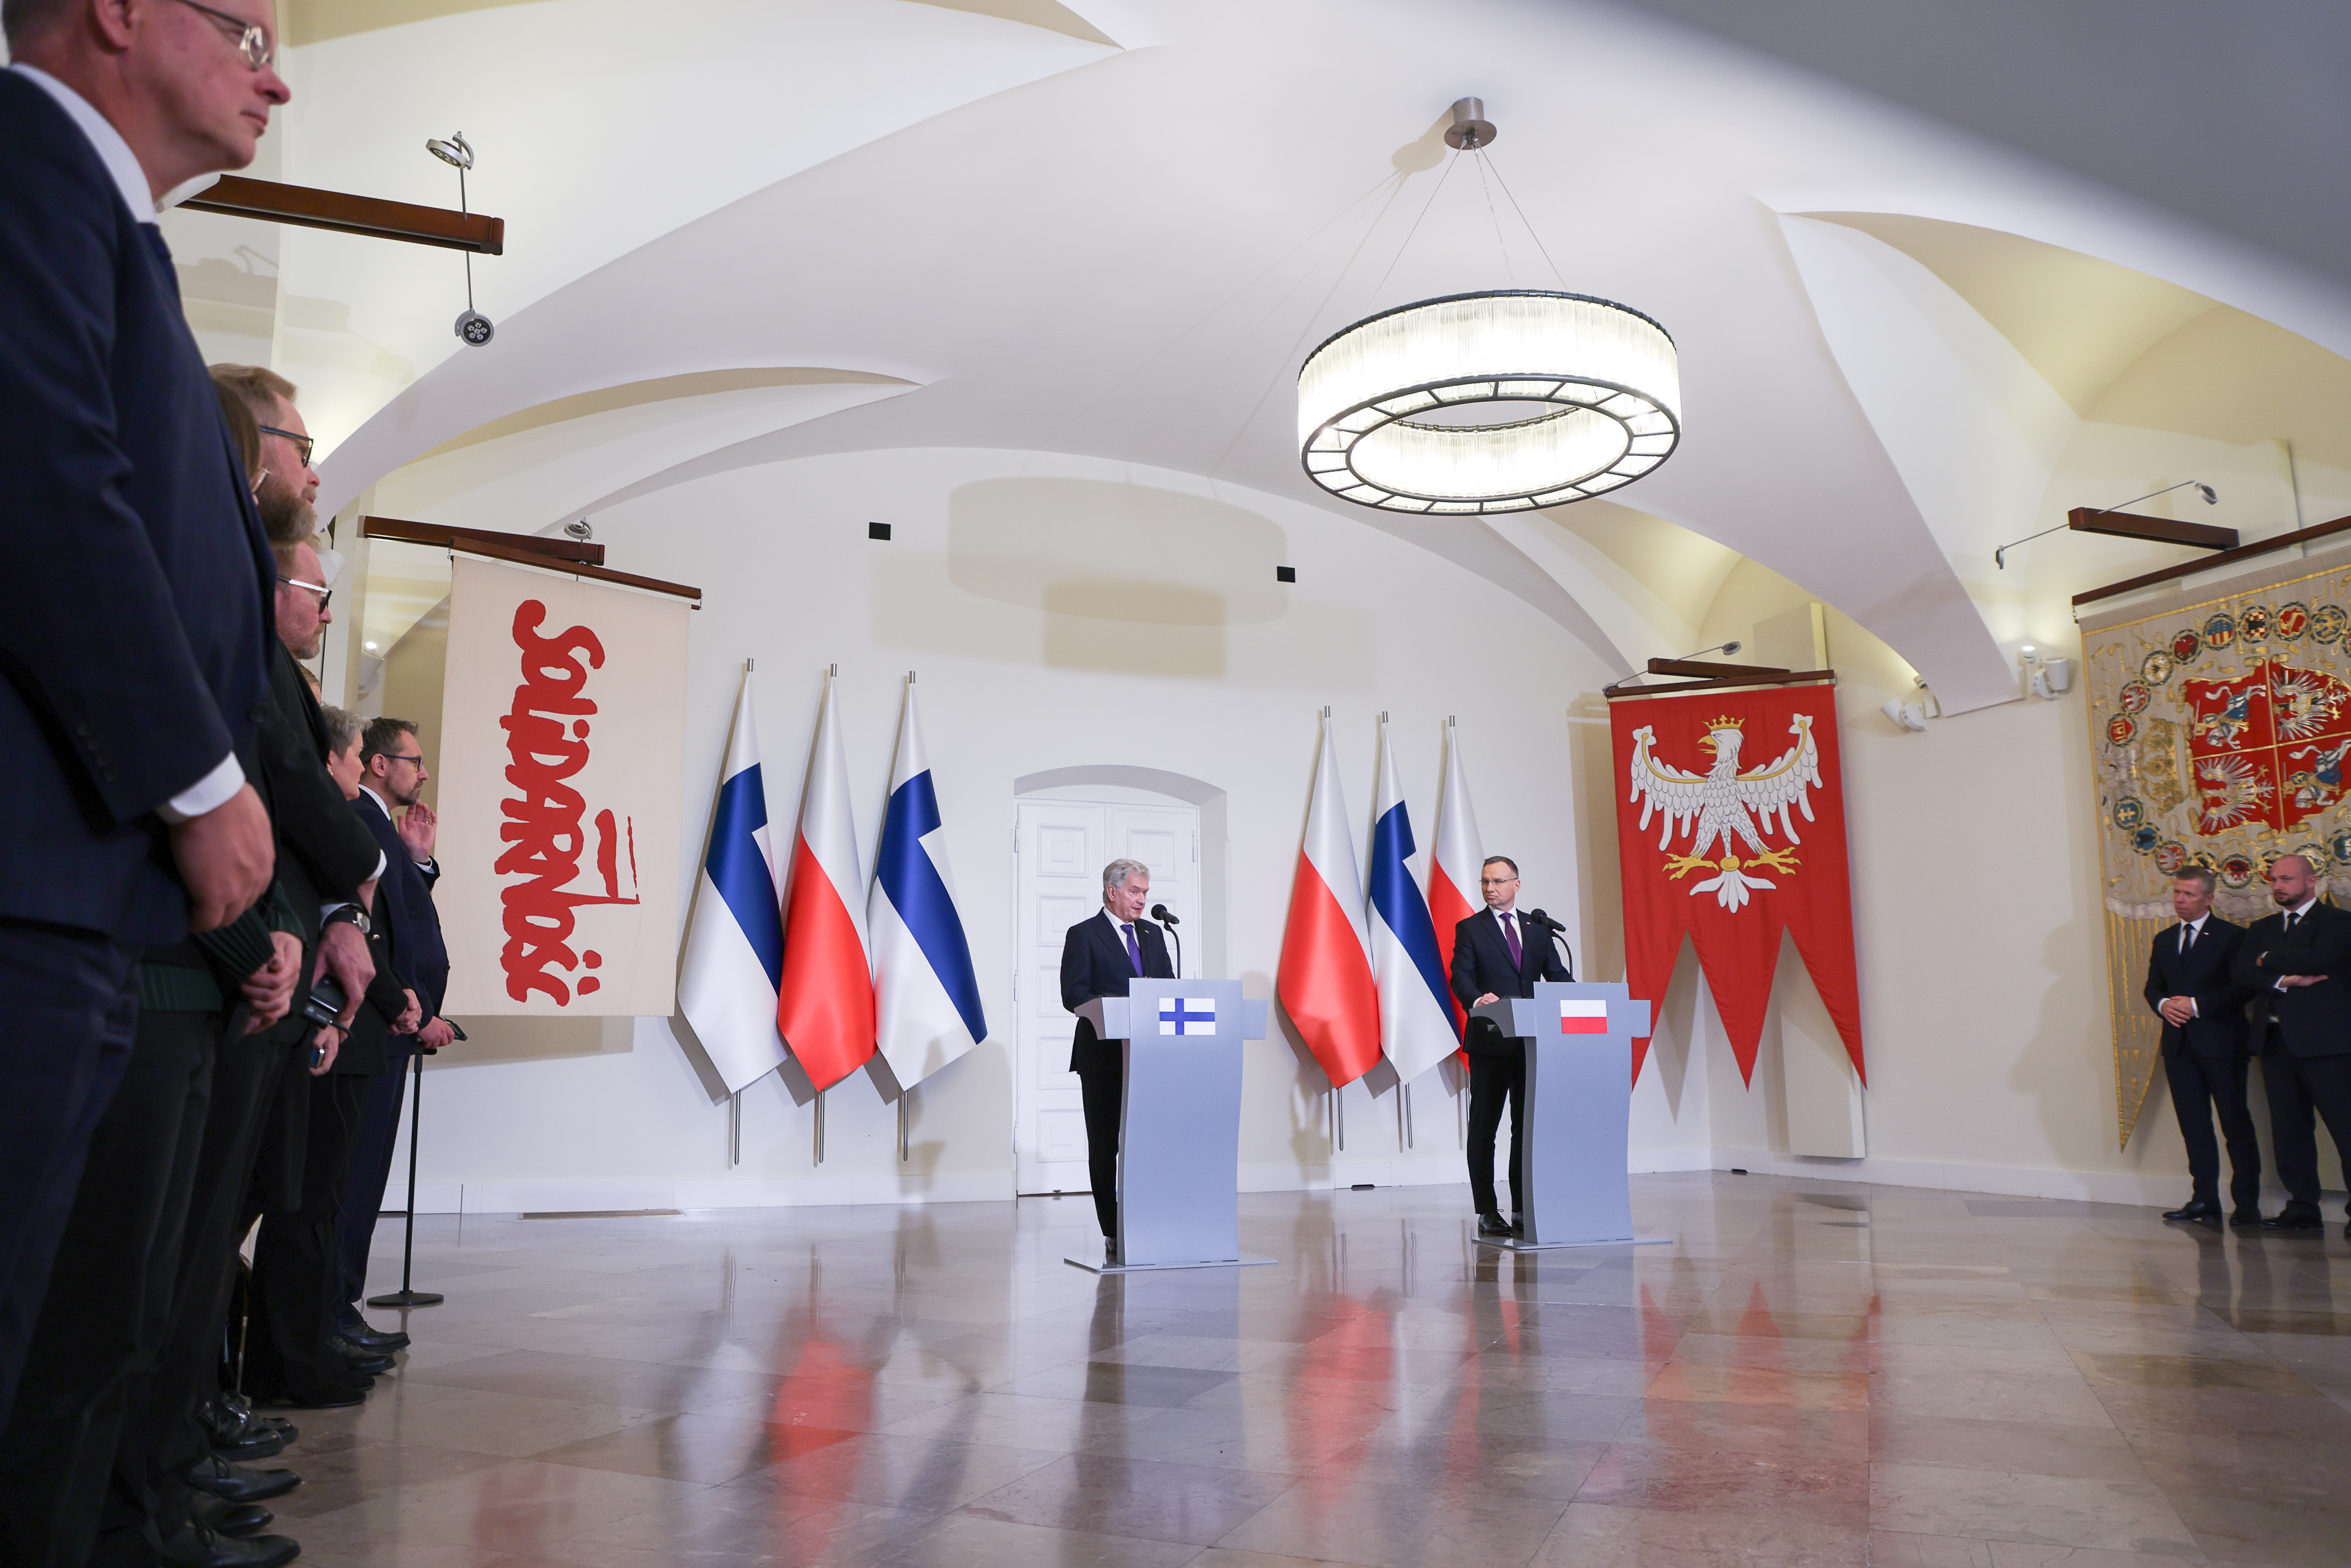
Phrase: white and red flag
pixel 1456 863
pixel 1325 980
pixel 824 1007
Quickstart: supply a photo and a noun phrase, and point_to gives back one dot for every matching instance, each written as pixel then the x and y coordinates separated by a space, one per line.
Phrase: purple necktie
pixel 1134 954
pixel 1510 934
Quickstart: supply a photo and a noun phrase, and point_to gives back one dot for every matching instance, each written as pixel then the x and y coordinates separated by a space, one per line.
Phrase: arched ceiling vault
pixel 1027 236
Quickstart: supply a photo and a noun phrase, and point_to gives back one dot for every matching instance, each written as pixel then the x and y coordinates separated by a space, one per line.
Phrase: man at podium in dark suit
pixel 1099 957
pixel 2189 985
pixel 1497 954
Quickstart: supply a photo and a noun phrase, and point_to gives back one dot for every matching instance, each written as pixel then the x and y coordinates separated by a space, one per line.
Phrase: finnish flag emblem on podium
pixel 1187 1015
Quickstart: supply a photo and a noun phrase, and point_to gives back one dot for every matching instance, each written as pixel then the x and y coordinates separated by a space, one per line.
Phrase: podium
pixel 1571 1182
pixel 1179 1142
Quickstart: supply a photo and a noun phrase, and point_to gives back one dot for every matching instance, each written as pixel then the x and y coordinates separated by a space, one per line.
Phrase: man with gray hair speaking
pixel 1100 954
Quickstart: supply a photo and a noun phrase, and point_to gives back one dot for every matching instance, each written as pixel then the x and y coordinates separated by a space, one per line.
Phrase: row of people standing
pixel 2279 990
pixel 180 873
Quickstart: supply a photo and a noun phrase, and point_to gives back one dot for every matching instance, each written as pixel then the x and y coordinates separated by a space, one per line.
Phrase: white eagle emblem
pixel 1717 806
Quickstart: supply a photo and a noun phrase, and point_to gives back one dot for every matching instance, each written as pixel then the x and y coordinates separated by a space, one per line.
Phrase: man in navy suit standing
pixel 1099 957
pixel 394 780
pixel 1497 954
pixel 135 587
pixel 2189 985
pixel 2294 967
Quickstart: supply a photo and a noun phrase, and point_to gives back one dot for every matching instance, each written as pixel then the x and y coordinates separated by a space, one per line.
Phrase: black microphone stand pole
pixel 408 1295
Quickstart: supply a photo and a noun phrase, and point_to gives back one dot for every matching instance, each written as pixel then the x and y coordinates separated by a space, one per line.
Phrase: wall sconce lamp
pixel 2048 678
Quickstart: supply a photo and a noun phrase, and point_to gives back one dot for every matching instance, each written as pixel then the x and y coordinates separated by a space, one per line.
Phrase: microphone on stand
pixel 1160 913
pixel 1537 917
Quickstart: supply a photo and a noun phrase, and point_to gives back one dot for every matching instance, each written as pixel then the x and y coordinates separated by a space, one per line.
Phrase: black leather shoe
pixel 235 1483
pixel 366 1362
pixel 1491 1225
pixel 1518 1225
pixel 194 1546
pixel 232 1519
pixel 2198 1211
pixel 360 1337
pixel 341 1397
pixel 236 1434
pixel 2295 1217
pixel 2246 1218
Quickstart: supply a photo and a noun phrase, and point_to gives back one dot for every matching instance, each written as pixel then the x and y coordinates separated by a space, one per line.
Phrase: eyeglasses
pixel 396 757
pixel 324 593
pixel 302 444
pixel 252 43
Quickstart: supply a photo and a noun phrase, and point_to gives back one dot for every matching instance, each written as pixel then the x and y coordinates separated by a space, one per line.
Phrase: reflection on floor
pixel 1814 1372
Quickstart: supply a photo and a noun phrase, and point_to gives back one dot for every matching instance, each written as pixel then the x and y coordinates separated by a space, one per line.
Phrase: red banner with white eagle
pixel 1730 828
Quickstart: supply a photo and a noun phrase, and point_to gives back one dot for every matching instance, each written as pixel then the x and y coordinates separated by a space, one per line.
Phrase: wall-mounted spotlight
pixel 2128 525
pixel 1905 716
pixel 579 530
pixel 474 329
pixel 2047 678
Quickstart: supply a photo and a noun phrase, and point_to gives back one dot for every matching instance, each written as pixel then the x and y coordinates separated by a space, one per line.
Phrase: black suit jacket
pixel 1481 963
pixel 2208 977
pixel 417 948
pixel 371 1047
pixel 1094 963
pixel 2303 1020
pixel 323 852
pixel 135 584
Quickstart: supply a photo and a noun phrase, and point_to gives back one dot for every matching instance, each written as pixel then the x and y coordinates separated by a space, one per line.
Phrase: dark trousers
pixel 1103 1091
pixel 109 1295
pixel 296 1270
pixel 1493 1080
pixel 68 1003
pixel 2202 1086
pixel 2299 1085
pixel 371 1172
pixel 161 1437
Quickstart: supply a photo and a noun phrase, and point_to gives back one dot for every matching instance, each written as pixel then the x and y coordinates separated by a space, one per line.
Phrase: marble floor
pixel 1812 1373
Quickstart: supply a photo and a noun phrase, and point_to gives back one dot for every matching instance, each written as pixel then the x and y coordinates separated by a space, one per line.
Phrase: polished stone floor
pixel 1814 1373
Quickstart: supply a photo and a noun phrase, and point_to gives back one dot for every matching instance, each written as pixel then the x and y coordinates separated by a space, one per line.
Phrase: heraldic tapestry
pixel 2219 726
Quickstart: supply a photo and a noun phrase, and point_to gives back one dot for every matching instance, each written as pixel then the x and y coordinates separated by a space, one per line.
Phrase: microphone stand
pixel 1167 924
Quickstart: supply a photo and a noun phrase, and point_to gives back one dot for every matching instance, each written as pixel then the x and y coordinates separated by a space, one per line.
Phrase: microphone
pixel 1159 913
pixel 1537 917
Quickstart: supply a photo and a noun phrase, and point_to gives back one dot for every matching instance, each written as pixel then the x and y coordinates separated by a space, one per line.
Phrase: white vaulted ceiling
pixel 1113 227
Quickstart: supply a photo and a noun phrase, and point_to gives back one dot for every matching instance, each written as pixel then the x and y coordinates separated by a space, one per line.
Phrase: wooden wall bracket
pixel 2189 568
pixel 522 549
pixel 306 207
pixel 2158 530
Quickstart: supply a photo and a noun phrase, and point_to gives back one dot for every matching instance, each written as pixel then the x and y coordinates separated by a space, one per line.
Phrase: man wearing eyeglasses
pixel 128 717
pixel 286 444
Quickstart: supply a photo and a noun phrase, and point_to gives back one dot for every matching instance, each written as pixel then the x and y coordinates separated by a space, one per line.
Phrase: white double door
pixel 1061 847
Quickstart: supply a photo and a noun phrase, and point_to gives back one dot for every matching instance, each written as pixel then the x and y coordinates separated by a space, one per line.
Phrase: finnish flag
pixel 1187 1015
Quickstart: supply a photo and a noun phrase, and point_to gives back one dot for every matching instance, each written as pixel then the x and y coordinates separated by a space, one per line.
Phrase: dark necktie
pixel 1510 934
pixel 2291 917
pixel 1134 954
pixel 2187 939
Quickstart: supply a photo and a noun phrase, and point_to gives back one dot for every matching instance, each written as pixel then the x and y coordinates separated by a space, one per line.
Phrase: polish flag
pixel 1584 1018
pixel 1326 980
pixel 1417 1026
pixel 825 1005
pixel 1454 867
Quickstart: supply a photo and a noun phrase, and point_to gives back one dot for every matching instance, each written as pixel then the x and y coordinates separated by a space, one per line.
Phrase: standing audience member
pixel 2296 967
pixel 394 781
pixel 133 587
pixel 2190 986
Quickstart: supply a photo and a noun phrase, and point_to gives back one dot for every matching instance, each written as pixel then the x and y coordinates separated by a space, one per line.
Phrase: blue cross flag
pixel 1187 1015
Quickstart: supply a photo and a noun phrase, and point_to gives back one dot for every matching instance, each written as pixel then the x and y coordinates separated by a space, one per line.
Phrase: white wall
pixel 1221 683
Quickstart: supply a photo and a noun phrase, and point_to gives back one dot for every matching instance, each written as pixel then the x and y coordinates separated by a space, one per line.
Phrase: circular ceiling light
pixel 1497 401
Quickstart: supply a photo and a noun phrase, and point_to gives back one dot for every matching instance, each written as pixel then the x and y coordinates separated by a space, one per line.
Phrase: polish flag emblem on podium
pixel 1584 1018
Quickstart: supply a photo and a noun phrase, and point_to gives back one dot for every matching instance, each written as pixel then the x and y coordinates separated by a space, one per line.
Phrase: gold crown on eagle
pixel 1725 722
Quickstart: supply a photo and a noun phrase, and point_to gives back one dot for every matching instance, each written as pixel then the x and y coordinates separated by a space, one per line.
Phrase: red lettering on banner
pixel 546 744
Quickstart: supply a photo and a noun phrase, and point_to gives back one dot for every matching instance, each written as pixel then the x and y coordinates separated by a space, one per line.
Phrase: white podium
pixel 1571 1182
pixel 1179 1141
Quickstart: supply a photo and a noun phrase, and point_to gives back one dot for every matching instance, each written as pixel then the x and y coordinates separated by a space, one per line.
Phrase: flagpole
pixel 905 1097
pixel 735 1128
pixel 820 1126
pixel 1338 1115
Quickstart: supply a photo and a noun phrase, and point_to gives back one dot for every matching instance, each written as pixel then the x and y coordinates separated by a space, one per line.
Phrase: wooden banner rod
pixel 1758 678
pixel 507 552
pixel 307 207
pixel 443 533
pixel 2189 568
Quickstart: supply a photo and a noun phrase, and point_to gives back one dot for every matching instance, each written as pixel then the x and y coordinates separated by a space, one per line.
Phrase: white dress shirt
pixel 212 790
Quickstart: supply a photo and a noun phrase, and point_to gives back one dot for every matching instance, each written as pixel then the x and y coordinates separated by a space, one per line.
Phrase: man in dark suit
pixel 133 587
pixel 393 779
pixel 2296 968
pixel 2192 986
pixel 1497 954
pixel 1099 957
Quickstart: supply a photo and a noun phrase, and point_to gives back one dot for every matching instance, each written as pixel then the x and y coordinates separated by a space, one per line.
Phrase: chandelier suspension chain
pixel 1407 246
pixel 1545 250
pixel 1509 273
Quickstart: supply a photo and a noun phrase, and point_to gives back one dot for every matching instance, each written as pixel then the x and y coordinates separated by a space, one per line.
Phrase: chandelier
pixel 1494 402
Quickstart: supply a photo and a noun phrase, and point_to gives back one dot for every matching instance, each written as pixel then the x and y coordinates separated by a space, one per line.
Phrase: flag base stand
pixel 1244 1262
pixel 408 1299
pixel 1513 1243
pixel 408 1295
